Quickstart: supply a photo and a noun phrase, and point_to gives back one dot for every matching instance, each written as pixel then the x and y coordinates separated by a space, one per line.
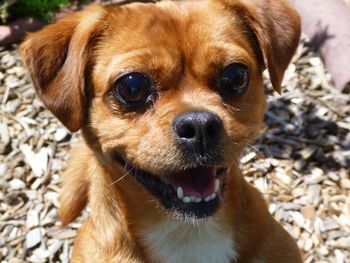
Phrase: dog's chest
pixel 174 242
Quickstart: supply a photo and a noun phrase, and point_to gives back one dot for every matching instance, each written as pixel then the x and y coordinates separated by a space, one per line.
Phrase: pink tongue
pixel 198 182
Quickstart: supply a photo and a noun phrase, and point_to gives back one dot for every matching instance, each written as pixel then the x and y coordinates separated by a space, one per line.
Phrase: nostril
pixel 186 131
pixel 213 130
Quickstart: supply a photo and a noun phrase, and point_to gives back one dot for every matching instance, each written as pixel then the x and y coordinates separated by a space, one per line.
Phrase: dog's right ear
pixel 57 58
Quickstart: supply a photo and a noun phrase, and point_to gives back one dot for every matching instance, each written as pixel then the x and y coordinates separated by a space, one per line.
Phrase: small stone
pixel 36 184
pixel 8 60
pixel 3 169
pixel 2 76
pixel 313 194
pixel 328 224
pixel 38 162
pixel 298 218
pixel 19 71
pixel 308 152
pixel 17 184
pixel 308 245
pixel 13 105
pixel 339 256
pixel 41 253
pixel 56 165
pixel 52 197
pixel 19 172
pixel 290 206
pixel 4 133
pixel 54 247
pixel 317 172
pixel 300 165
pixel 308 212
pixel 345 183
pixel 61 134
pixel 315 61
pixel 31 194
pixel 64 256
pixel 13 82
pixel 281 174
pixel 50 218
pixel 32 219
pixel 333 176
pixel 33 238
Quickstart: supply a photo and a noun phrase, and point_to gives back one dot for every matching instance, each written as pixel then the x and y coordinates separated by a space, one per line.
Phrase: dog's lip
pixel 192 192
pixel 199 182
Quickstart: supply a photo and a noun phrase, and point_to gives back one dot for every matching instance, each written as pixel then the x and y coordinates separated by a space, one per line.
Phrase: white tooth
pixel 217 184
pixel 213 195
pixel 186 199
pixel 198 200
pixel 207 199
pixel 180 192
pixel 193 199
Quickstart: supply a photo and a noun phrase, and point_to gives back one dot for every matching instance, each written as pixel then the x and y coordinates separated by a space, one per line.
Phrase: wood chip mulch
pixel 301 163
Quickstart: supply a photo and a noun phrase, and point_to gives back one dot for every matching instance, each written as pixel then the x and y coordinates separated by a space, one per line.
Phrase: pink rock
pixel 327 23
pixel 15 31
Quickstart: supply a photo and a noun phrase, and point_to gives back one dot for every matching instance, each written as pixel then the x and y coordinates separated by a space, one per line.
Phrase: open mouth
pixel 190 193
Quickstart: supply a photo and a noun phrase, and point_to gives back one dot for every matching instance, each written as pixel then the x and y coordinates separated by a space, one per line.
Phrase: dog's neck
pixel 206 240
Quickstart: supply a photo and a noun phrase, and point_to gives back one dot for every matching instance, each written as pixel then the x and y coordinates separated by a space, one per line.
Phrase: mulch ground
pixel 301 163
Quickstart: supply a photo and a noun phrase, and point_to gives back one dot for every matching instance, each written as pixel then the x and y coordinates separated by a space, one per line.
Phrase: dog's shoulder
pixel 178 241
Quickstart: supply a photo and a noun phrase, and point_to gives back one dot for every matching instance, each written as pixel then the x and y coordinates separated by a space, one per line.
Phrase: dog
pixel 167 96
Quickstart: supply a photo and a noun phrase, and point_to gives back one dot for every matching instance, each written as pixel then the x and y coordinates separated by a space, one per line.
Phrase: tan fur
pixel 75 184
pixel 181 45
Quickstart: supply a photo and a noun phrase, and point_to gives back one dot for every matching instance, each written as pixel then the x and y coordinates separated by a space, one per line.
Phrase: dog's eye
pixel 233 80
pixel 132 89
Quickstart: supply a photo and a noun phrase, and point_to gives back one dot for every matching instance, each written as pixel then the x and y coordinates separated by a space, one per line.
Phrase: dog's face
pixel 171 91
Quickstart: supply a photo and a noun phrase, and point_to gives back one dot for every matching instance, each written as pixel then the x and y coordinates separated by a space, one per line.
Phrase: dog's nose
pixel 198 130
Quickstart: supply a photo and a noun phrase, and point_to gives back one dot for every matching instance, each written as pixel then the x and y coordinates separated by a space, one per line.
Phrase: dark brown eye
pixel 133 89
pixel 233 80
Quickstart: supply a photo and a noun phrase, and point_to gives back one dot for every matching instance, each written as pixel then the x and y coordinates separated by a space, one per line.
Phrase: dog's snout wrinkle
pixel 199 131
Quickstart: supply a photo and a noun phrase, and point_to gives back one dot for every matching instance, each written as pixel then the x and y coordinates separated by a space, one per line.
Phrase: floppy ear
pixel 57 58
pixel 277 28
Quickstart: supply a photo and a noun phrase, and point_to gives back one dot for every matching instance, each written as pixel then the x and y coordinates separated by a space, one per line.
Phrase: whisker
pixel 121 178
pixel 124 175
pixel 255 150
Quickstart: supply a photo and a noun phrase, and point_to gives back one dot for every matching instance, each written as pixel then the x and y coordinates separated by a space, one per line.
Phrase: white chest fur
pixel 179 242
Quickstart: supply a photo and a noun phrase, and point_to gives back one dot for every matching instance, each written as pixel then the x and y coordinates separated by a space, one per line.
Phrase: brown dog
pixel 167 97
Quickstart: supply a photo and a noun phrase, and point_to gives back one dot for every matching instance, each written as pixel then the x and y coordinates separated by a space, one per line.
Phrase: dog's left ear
pixel 277 28
pixel 57 59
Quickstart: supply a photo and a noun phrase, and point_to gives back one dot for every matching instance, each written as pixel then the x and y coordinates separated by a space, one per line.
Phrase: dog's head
pixel 171 91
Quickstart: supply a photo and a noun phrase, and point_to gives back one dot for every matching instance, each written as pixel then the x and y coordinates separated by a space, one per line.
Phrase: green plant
pixel 4 6
pixel 21 8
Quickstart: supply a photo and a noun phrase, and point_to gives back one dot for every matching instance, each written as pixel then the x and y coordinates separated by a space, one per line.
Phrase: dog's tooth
pixel 212 196
pixel 198 200
pixel 180 192
pixel 186 199
pixel 217 184
pixel 193 199
pixel 207 199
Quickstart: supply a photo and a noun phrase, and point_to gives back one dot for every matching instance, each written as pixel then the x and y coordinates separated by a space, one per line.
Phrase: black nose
pixel 199 131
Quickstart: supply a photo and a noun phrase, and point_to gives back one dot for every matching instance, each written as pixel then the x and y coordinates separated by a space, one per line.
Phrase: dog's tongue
pixel 198 182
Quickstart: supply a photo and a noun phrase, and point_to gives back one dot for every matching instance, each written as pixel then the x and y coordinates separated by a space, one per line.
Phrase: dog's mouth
pixel 189 193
